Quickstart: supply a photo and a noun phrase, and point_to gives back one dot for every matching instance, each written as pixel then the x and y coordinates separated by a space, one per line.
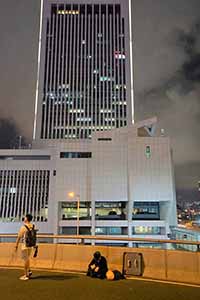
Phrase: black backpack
pixel 30 236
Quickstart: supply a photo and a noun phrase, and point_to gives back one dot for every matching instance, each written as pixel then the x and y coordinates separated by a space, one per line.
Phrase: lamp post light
pixel 72 195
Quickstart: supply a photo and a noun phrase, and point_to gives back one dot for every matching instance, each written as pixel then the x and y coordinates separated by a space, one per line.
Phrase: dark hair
pixel 29 217
pixel 97 255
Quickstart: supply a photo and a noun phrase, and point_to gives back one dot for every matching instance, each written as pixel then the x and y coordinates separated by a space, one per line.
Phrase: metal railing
pixel 83 239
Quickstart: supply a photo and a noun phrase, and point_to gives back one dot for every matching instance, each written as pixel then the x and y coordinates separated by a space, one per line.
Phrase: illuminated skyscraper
pixel 85 75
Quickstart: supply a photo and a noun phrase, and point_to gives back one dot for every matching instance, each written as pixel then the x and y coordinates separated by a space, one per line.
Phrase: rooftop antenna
pixel 20 142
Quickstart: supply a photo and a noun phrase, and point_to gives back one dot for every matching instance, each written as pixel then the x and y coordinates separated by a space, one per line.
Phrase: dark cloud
pixel 8 133
pixel 189 42
pixel 176 102
pixel 191 68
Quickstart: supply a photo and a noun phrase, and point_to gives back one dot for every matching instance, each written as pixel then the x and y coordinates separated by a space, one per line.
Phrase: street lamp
pixel 72 195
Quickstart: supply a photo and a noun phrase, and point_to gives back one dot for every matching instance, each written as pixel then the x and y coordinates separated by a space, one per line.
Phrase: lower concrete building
pixel 119 183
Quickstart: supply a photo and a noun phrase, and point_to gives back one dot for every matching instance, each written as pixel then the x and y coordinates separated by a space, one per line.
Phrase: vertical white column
pixel 70 125
pixel 59 100
pixel 47 178
pixel 81 75
pixel 15 201
pixel 100 71
pixel 19 199
pixel 114 48
pixel 26 196
pixel 32 211
pixel 30 191
pixel 103 115
pixel 38 69
pixel 131 58
pixel 84 68
pixel 122 76
pixel 55 85
pixel 118 70
pixel 88 74
pixel 45 97
pixel 62 104
pixel 96 69
pixel 111 70
pixel 8 196
pixel 37 199
pixel 2 191
pixel 107 60
pixel 49 104
pixel 92 70
pixel 7 200
pixel 66 99
pixel 23 192
pixel 74 96
pixel 43 192
pixel 77 90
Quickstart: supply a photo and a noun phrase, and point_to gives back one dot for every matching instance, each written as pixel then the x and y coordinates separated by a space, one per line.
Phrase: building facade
pixel 85 74
pixel 122 179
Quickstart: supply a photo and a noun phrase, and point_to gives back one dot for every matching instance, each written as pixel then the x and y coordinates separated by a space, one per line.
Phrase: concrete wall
pixel 177 266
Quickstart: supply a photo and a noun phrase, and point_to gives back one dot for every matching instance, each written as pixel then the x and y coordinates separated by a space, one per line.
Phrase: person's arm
pixel 17 242
pixel 20 235
pixel 92 263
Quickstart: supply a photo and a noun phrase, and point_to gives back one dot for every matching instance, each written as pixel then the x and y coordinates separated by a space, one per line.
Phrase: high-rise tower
pixel 84 68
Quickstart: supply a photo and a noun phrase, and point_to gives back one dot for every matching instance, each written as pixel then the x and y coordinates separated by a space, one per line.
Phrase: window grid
pixel 24 191
pixel 84 80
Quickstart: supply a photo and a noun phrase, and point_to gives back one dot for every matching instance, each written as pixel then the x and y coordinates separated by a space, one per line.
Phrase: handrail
pixel 109 238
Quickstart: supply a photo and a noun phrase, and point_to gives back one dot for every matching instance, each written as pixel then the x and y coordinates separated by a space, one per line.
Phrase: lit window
pixel 119 55
pixel 68 12
pixel 148 151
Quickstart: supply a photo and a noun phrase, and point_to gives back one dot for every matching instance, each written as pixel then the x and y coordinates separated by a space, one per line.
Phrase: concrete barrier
pixel 173 265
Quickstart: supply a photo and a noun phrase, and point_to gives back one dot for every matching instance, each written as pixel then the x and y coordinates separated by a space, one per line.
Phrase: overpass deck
pixel 52 285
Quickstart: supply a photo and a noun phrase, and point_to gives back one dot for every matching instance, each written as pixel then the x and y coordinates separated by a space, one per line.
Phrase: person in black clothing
pixel 98 266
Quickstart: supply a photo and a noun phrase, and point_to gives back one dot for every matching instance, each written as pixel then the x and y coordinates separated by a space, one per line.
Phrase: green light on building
pixel 148 151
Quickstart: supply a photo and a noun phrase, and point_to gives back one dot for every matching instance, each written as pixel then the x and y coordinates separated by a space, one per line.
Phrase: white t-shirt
pixel 21 234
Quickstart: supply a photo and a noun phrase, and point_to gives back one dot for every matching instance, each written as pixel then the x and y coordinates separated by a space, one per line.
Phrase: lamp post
pixel 72 195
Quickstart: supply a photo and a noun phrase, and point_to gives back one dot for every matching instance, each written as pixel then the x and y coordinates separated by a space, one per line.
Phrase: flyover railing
pixel 73 253
pixel 85 239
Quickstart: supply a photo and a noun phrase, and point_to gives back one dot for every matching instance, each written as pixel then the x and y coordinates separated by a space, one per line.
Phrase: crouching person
pixel 27 234
pixel 98 266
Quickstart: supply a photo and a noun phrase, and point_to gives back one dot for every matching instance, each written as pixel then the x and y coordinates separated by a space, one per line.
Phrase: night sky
pixel 166 75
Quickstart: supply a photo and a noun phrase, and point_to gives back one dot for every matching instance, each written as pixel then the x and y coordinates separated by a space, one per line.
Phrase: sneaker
pixel 24 277
pixel 30 273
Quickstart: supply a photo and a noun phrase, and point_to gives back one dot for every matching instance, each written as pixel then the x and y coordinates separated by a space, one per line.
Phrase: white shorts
pixel 26 253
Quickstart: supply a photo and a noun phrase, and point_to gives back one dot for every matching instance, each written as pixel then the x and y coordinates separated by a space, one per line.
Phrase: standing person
pixel 27 234
pixel 98 266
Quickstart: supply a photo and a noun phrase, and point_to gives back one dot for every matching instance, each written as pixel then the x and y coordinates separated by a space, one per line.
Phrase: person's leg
pixel 27 267
pixel 25 258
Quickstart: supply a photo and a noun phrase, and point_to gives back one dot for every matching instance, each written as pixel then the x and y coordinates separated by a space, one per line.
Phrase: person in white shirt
pixel 25 250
